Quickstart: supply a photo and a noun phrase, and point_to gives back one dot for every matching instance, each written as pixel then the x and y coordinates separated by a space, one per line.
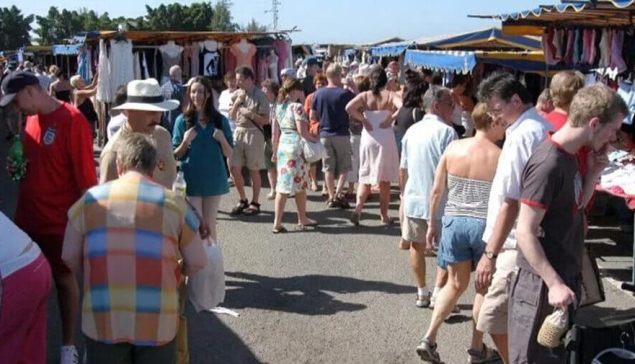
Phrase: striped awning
pixel 599 13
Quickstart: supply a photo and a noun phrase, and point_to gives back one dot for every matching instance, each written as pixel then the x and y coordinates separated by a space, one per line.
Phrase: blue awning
pixel 66 50
pixel 464 62
pixel 442 61
pixel 390 49
pixel 484 39
pixel 349 52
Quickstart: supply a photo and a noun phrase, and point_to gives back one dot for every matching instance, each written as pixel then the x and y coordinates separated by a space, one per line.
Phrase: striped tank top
pixel 467 197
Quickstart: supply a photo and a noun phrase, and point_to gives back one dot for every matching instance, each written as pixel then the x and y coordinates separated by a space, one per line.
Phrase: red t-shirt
pixel 557 119
pixel 59 150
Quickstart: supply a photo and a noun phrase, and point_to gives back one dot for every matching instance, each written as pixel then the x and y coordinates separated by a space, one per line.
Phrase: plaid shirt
pixel 133 232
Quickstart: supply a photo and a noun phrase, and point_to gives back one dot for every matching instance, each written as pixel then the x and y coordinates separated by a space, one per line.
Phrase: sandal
pixel 240 208
pixel 355 218
pixel 280 230
pixel 342 203
pixel 253 209
pixel 486 355
pixel 310 224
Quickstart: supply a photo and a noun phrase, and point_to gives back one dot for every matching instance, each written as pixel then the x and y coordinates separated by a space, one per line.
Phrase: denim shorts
pixel 462 240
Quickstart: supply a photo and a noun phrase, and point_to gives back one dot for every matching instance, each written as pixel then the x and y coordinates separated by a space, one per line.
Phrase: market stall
pixel 599 34
pixel 122 56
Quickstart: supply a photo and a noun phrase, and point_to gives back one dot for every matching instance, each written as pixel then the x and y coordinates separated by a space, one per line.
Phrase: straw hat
pixel 145 95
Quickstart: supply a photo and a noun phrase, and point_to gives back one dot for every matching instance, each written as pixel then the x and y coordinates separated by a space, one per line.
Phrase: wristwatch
pixel 490 255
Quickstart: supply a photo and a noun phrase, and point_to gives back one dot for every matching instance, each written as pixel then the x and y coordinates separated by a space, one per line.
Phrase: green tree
pixel 222 20
pixel 177 17
pixel 254 27
pixel 14 28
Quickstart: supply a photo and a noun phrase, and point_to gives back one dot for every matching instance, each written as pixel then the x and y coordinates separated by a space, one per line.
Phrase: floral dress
pixel 293 169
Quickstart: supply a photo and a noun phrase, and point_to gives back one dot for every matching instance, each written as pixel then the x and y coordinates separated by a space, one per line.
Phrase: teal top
pixel 203 165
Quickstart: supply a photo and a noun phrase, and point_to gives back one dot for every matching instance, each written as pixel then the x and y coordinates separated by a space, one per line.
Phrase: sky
pixel 331 21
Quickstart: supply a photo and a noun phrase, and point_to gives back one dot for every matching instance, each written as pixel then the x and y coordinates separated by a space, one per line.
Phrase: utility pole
pixel 274 11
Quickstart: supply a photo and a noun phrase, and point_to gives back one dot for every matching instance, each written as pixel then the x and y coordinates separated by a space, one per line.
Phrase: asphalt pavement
pixel 333 294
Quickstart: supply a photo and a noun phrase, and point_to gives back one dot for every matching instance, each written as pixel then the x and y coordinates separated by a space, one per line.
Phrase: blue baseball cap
pixel 14 83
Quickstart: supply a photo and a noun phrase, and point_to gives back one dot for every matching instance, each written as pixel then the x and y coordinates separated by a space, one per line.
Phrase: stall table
pixel 630 202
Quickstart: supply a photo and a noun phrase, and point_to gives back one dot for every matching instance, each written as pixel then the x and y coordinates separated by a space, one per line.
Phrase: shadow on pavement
pixel 211 341
pixel 305 295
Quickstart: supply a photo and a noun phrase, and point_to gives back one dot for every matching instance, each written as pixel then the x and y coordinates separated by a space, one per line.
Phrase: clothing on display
pixel 210 57
pixel 104 90
pixel 244 52
pixel 121 65
pixel 171 54
pixel 84 65
pixel 619 175
pixel 273 60
pixel 136 65
pixel 626 90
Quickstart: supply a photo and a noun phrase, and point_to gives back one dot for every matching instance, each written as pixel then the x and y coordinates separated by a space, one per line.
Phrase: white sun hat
pixel 145 95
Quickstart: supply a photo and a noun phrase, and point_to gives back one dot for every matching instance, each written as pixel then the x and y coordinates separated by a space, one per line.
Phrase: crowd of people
pixel 492 185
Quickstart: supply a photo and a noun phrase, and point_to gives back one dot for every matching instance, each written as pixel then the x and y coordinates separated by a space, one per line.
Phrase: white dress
pixel 378 155
pixel 104 90
pixel 121 66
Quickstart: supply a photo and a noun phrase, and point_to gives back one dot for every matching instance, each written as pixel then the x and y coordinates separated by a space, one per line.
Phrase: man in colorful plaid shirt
pixel 126 237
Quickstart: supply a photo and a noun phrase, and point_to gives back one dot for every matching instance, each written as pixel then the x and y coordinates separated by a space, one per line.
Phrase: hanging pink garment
pixel 617 61
pixel 548 47
pixel 282 50
pixel 568 57
pixel 593 52
pixel 263 69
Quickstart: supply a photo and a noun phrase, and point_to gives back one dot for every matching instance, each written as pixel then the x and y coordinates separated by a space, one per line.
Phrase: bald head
pixel 175 73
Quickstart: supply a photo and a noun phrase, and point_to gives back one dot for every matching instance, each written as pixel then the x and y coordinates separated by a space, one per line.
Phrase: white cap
pixel 288 72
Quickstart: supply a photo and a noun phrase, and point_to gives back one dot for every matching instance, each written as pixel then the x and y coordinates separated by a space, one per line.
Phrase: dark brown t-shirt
pixel 552 181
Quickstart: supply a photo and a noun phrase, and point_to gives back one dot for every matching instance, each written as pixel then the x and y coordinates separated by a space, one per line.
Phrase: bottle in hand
pixel 179 186
pixel 16 153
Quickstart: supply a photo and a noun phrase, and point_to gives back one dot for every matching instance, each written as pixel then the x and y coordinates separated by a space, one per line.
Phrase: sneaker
pixel 486 355
pixel 68 355
pixel 423 301
pixel 427 351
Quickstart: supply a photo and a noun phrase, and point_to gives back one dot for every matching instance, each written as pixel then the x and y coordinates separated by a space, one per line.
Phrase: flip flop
pixel 280 230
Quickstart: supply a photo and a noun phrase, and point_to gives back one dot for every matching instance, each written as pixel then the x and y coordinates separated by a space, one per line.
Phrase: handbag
pixel 592 289
pixel 313 151
pixel 206 289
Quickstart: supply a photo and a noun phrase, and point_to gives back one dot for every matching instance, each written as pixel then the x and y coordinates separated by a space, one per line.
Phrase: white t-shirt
pixel 422 148
pixel 115 124
pixel 14 254
pixel 225 104
pixel 521 139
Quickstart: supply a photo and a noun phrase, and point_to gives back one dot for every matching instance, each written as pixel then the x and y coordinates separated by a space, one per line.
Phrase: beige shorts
pixel 414 230
pixel 493 316
pixel 338 155
pixel 248 149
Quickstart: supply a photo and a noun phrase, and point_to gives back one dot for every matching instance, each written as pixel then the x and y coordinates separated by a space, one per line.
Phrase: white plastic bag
pixel 206 289
pixel 313 152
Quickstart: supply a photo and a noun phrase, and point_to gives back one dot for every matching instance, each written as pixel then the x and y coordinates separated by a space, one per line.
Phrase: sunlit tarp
pixel 484 39
pixel 464 62
pixel 390 49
